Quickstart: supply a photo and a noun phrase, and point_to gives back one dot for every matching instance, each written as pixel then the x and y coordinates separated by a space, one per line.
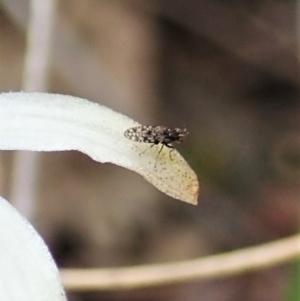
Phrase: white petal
pixel 27 270
pixel 51 122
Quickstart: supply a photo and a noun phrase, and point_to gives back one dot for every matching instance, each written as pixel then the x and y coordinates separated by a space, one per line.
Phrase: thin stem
pixel 36 66
pixel 212 267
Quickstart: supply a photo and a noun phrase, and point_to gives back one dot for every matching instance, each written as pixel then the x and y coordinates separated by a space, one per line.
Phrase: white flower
pixel 27 270
pixel 51 122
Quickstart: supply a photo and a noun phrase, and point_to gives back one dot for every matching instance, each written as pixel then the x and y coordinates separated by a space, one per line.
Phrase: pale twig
pixel 36 66
pixel 212 267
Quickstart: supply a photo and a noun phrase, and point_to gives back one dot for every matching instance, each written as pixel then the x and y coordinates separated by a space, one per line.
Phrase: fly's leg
pixel 146 149
pixel 172 148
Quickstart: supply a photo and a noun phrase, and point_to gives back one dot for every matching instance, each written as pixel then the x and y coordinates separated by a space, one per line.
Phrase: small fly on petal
pixel 156 135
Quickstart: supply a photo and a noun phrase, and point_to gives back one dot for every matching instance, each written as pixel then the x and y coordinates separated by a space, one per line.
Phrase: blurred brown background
pixel 228 71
